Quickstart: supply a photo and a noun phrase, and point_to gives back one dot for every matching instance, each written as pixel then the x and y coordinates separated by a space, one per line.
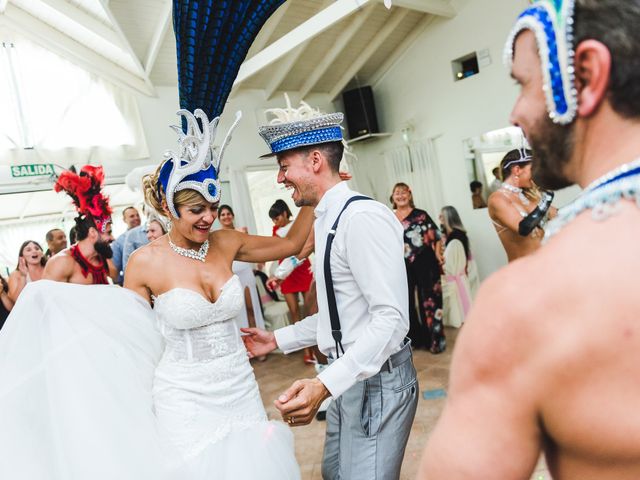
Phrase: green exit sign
pixel 32 170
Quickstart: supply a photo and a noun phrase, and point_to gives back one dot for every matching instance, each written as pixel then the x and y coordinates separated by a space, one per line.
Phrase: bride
pixel 88 389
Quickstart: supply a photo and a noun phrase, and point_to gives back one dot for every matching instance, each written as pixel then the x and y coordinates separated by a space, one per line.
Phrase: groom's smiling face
pixel 296 173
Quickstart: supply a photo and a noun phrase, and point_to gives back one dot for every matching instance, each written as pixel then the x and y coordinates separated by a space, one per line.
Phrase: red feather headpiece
pixel 85 189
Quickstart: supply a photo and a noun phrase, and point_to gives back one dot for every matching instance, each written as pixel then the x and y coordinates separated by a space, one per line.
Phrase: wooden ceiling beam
pixel 158 36
pixel 441 8
pixel 308 30
pixel 390 25
pixel 83 20
pixel 338 47
pixel 269 27
pixel 399 52
pixel 289 62
pixel 126 46
pixel 65 46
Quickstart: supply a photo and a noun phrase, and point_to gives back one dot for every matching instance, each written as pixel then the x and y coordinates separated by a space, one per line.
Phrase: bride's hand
pixel 258 342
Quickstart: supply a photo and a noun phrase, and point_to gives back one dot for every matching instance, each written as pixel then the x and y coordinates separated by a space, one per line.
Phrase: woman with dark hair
pixel 516 198
pixel 300 279
pixel 31 262
pixel 6 304
pixel 422 259
pixel 456 281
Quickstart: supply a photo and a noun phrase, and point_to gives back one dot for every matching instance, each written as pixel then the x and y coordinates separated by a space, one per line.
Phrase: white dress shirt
pixel 370 282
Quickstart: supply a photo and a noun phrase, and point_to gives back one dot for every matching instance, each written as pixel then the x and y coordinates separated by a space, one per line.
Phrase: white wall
pixel 245 148
pixel 420 89
pixel 158 113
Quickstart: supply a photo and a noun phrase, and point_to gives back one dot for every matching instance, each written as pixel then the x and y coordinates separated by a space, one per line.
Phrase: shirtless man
pixel 512 202
pixel 87 261
pixel 549 356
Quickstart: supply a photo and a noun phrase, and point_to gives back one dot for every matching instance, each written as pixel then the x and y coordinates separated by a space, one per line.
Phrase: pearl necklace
pixel 517 190
pixel 200 254
pixel 602 197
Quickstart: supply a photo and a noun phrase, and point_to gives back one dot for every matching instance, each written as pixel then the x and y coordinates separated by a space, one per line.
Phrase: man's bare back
pixel 547 362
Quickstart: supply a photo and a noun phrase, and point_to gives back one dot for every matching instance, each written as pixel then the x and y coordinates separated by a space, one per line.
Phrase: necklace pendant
pixel 200 254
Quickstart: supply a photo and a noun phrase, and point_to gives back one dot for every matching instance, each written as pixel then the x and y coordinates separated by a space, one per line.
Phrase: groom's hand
pixel 299 404
pixel 258 342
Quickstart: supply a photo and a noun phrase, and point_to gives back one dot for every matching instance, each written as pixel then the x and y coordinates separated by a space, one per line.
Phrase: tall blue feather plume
pixel 212 40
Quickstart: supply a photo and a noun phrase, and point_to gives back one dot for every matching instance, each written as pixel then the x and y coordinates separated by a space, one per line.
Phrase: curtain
pixel 241 200
pixel 60 113
pixel 416 165
pixel 13 233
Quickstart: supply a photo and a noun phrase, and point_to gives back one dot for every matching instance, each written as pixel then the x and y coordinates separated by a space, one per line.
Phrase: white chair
pixel 456 290
pixel 276 314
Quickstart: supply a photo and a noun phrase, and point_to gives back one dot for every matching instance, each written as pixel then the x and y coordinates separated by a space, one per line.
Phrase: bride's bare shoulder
pixel 148 254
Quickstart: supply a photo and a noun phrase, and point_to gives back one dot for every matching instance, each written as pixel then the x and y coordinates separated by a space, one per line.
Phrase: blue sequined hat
pixel 551 21
pixel 196 164
pixel 301 133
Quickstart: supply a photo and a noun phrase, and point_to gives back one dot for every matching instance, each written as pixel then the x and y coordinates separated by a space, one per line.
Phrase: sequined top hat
pixel 300 127
pixel 551 21
pixel 196 164
pixel 85 189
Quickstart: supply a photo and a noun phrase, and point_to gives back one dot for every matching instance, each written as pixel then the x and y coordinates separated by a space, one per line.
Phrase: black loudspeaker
pixel 360 110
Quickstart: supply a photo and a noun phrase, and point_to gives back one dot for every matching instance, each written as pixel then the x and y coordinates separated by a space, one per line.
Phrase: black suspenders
pixel 336 331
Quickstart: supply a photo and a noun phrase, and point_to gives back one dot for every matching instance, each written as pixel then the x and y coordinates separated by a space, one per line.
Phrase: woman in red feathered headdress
pixel 87 261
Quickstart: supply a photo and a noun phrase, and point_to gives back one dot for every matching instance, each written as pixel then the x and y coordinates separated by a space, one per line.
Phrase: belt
pixel 397 358
pixel 394 360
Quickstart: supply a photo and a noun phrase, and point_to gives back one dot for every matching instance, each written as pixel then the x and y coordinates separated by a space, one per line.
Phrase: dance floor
pixel 279 371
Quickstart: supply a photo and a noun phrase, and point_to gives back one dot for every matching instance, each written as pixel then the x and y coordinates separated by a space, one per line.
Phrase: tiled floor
pixel 279 371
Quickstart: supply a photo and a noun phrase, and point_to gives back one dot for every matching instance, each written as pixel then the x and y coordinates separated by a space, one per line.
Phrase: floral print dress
pixel 423 274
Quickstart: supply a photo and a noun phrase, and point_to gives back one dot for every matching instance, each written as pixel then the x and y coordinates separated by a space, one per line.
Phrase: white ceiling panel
pixel 132 33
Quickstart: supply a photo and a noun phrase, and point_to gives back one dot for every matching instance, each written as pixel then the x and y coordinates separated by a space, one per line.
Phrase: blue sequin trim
pixel 630 173
pixel 555 71
pixel 323 135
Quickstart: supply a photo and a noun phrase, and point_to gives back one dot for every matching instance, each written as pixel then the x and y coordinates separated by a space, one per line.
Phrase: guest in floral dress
pixel 422 259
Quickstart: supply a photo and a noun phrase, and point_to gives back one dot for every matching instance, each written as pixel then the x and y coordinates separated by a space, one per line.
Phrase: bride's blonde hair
pixel 154 194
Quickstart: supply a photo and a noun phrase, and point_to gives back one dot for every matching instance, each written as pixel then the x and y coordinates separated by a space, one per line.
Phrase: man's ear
pixel 593 70
pixel 317 160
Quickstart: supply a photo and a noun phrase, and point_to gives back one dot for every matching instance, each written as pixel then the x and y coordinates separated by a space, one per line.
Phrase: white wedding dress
pixel 94 384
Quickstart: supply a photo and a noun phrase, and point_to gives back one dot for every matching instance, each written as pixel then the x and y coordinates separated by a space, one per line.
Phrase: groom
pixel 363 311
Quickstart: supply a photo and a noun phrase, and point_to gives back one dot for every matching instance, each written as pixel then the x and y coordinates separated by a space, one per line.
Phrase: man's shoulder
pixel 367 205
pixel 134 231
pixel 62 263
pixel 368 215
pixel 63 256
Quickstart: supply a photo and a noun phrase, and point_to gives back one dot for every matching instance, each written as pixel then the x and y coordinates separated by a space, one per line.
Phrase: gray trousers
pixel 368 425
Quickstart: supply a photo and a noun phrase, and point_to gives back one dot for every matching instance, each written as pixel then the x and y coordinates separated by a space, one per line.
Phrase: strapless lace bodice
pixel 196 329
pixel 204 388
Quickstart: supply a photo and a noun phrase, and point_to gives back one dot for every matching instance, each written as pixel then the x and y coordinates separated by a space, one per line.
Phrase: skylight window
pixel 55 104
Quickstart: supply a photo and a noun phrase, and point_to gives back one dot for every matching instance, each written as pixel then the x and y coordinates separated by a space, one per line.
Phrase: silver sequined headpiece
pixel 196 164
pixel 299 127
